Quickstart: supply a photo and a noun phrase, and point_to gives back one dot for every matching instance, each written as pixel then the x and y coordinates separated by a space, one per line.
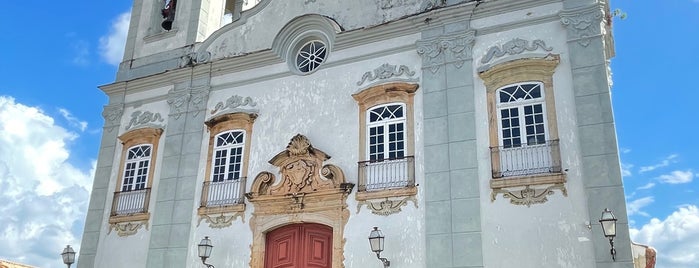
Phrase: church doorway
pixel 307 245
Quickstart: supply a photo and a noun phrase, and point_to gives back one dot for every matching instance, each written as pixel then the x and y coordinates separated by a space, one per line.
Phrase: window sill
pixel 221 209
pixel 535 179
pixel 159 36
pixel 136 217
pixel 398 192
pixel 528 190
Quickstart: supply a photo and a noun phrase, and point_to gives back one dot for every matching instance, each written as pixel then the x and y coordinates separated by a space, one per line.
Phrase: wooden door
pixel 306 245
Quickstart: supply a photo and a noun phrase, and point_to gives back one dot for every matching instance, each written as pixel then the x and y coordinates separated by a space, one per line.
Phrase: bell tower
pixel 163 31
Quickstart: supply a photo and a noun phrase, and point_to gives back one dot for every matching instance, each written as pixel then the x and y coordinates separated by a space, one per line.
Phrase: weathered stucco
pixel 438 46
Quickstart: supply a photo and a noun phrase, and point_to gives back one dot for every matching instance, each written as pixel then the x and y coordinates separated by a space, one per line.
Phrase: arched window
pixel 136 168
pixel 522 114
pixel 386 132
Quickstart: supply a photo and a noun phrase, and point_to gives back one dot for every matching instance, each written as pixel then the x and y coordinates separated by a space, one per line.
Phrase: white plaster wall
pixel 113 249
pixel 321 107
pixel 553 234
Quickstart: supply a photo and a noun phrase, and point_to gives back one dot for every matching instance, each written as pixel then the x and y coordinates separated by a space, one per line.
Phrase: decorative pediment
pixel 301 167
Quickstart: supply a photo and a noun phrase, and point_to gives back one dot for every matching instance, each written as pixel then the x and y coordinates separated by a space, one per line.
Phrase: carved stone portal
pixel 306 192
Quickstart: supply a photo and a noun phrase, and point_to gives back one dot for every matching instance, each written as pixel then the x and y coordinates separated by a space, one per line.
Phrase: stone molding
pixel 514 47
pixel 388 206
pixel 438 51
pixel 306 193
pixel 386 71
pixel 112 116
pixel 144 118
pixel 583 23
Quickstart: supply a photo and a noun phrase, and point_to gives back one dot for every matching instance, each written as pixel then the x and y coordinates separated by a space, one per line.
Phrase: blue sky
pixel 56 55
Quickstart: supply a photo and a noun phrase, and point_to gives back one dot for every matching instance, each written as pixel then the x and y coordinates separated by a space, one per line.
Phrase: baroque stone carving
pixel 222 220
pixel 233 102
pixel 584 23
pixel 178 103
pixel 308 192
pixel 386 71
pixel 386 207
pixel 112 115
pixel 529 196
pixel 513 47
pixel 441 50
pixel 139 118
pixel 195 58
pixel 197 101
pixel 127 228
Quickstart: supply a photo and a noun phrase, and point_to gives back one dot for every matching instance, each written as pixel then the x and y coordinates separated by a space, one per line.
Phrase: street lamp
pixel 608 222
pixel 68 255
pixel 376 242
pixel 205 248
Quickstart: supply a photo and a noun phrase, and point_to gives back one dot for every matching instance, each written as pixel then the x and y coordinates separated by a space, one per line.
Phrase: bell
pixel 168 14
pixel 167 24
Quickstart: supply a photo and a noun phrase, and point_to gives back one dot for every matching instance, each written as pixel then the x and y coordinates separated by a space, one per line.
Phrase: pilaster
pixel 453 223
pixel 95 220
pixel 586 22
pixel 175 201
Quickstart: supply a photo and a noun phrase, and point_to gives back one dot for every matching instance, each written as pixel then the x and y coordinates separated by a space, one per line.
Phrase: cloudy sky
pixel 50 121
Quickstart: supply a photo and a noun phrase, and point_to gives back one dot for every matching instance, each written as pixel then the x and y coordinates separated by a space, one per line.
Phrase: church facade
pixel 470 133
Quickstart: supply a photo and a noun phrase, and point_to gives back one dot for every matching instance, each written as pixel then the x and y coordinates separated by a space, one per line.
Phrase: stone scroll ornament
pixel 513 47
pixel 140 118
pixel 112 115
pixel 386 71
pixel 583 23
pixel 388 206
pixel 124 229
pixel 233 102
pixel 454 49
pixel 529 195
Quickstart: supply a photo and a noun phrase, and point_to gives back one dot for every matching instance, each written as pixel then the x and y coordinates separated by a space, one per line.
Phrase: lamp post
pixel 68 255
pixel 608 222
pixel 205 248
pixel 376 238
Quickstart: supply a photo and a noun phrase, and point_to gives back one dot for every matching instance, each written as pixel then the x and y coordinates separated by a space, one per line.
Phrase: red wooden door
pixel 306 245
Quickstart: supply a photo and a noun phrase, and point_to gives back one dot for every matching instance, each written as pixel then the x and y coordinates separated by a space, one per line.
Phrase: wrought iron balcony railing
pixel 130 202
pixel 223 193
pixel 524 160
pixel 386 174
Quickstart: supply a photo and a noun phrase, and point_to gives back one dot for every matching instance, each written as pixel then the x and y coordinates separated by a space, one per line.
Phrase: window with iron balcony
pixel 386 141
pixel 524 145
pixel 132 197
pixel 229 142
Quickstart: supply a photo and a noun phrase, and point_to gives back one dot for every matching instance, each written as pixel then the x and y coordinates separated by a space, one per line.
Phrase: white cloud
pixel 74 121
pixel 663 163
pixel 647 186
pixel 81 49
pixel 112 45
pixel 626 169
pixel 43 198
pixel 677 177
pixel 634 207
pixel 675 238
